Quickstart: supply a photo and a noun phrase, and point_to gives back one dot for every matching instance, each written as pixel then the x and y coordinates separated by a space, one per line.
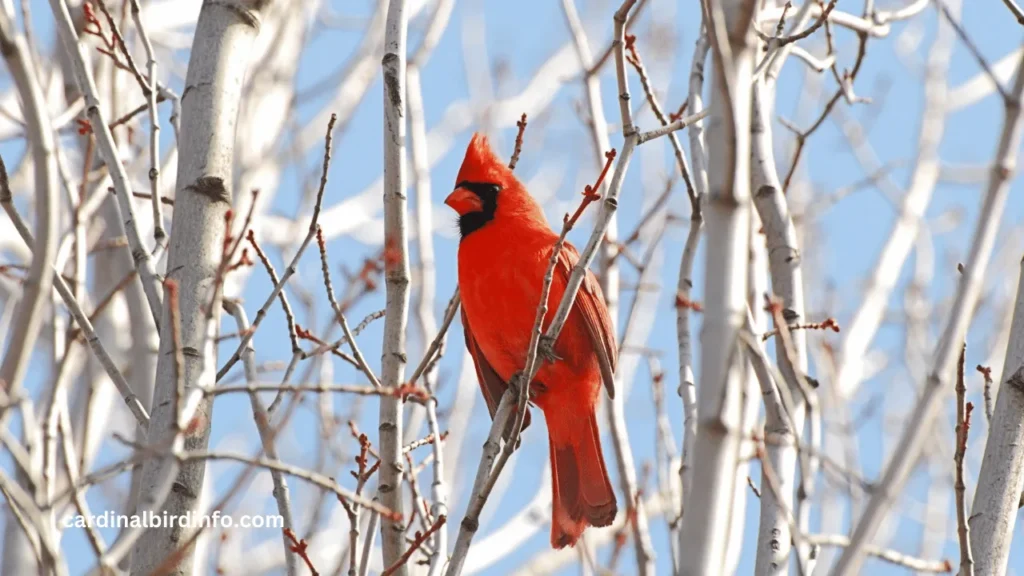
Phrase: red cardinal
pixel 504 252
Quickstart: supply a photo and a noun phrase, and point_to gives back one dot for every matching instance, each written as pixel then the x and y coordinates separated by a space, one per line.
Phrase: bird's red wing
pixel 590 303
pixel 491 384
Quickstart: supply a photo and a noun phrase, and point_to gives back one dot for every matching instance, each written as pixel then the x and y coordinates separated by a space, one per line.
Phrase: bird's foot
pixel 517 384
pixel 546 349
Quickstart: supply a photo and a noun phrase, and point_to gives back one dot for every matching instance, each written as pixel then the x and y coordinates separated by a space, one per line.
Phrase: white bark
pixel 908 449
pixel 706 526
pixel 774 538
pixel 217 66
pixel 39 282
pixel 396 276
pixel 108 151
pixel 750 411
pixel 1001 479
pixel 427 276
pixel 687 381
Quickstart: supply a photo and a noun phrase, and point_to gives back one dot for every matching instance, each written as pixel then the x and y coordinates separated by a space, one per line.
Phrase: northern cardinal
pixel 504 251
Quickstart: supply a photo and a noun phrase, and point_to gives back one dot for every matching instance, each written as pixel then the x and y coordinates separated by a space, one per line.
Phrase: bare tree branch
pixel 108 150
pixel 968 288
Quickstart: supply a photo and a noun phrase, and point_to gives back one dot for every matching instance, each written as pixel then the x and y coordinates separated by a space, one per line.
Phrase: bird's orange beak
pixel 464 201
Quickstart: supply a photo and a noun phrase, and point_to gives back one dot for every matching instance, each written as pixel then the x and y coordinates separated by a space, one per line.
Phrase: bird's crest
pixel 481 165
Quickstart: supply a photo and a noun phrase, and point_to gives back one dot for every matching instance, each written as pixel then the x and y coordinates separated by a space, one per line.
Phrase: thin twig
pixel 986 373
pixel 890 556
pixel 283 296
pixel 263 428
pixel 677 125
pixel 420 539
pixel 972 48
pixel 298 472
pixel 356 353
pixel 109 151
pixel 299 546
pixel 279 286
pixel 319 389
pixel 1015 10
pixel 827 324
pixel 521 125
pixel 963 426
pixel 777 41
pixel 652 98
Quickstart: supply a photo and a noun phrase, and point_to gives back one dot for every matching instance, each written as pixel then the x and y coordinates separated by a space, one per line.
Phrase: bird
pixel 504 251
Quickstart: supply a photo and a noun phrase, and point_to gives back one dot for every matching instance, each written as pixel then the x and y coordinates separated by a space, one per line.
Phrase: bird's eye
pixel 493 189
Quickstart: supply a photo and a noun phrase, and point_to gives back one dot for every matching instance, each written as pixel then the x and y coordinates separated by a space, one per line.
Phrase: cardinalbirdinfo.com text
pixel 150 519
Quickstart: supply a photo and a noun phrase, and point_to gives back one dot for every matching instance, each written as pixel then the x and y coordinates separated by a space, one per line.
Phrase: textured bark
pixel 706 525
pixel 687 381
pixel 396 276
pixel 217 65
pixel 781 432
pixel 1001 479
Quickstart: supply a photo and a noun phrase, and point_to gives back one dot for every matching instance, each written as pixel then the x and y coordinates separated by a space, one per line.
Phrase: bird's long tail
pixel 581 493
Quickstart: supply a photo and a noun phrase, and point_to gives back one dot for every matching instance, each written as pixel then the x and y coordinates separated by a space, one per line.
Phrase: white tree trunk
pixel 706 525
pixel 396 276
pixel 1001 479
pixel 217 66
pixel 781 433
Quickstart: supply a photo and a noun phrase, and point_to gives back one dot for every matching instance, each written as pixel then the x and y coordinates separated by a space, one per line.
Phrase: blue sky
pixel 519 37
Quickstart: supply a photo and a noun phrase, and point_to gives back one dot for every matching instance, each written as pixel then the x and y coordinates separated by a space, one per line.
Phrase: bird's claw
pixel 516 384
pixel 546 349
